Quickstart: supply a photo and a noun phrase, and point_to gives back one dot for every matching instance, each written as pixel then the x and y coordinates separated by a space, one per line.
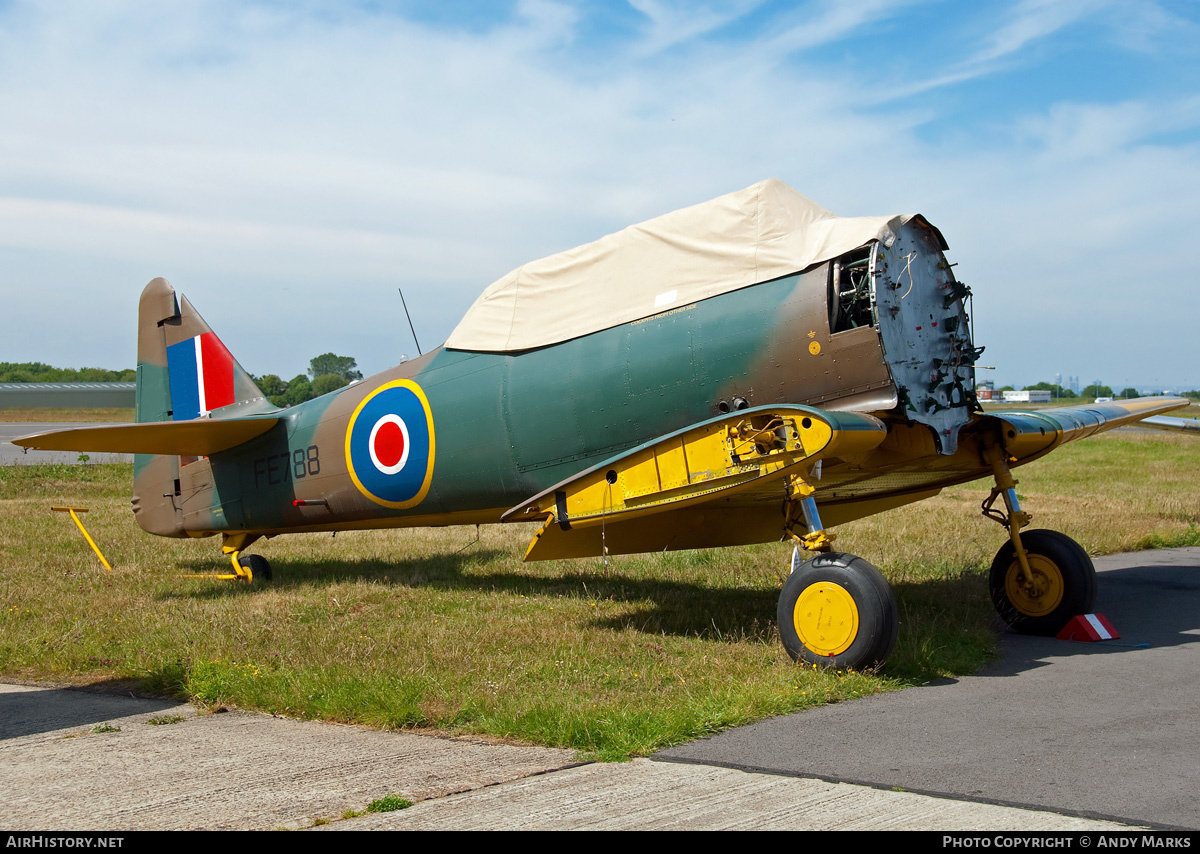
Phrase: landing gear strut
pixel 1039 579
pixel 245 568
pixel 836 609
pixel 1060 583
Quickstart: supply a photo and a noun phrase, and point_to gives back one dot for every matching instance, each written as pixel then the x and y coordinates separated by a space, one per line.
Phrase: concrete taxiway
pixel 12 455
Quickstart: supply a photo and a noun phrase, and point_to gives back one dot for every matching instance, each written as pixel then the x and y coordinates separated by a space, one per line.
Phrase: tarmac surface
pixel 1106 729
pixel 1054 736
pixel 13 455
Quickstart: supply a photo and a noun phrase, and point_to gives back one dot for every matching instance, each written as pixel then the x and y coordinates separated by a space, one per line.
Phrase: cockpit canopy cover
pixel 760 233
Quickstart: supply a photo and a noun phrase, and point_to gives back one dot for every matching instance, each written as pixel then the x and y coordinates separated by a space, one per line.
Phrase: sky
pixel 291 165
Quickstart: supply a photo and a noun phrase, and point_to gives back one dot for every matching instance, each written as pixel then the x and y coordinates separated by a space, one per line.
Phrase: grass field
pixel 117 415
pixel 433 629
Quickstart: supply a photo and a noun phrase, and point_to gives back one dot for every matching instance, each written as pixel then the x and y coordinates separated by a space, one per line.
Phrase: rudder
pixel 183 372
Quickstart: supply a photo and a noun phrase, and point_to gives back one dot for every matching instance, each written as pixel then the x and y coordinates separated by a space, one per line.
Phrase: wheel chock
pixel 1086 628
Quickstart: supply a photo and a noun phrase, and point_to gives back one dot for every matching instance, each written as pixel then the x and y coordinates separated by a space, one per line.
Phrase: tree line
pixel 1092 391
pixel 37 372
pixel 327 372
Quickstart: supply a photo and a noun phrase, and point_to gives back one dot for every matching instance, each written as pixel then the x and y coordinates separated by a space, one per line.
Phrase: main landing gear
pixel 836 609
pixel 839 611
pixel 1060 583
pixel 1039 579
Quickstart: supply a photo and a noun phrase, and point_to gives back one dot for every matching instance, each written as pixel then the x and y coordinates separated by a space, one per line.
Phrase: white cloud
pixel 1031 21
pixel 832 21
pixel 263 155
pixel 673 22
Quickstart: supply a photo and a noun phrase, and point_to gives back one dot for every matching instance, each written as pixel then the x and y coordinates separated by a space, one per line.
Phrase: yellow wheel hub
pixel 1040 596
pixel 826 618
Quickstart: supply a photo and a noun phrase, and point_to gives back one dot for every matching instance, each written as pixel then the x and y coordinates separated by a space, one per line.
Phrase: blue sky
pixel 289 165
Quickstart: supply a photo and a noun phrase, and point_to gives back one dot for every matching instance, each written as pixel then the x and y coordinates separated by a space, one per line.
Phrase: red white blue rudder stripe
pixel 201 376
pixel 390 445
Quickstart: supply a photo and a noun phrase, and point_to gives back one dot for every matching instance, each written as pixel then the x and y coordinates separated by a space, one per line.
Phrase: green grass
pixel 409 630
pixel 389 803
pixel 164 720
pixel 112 414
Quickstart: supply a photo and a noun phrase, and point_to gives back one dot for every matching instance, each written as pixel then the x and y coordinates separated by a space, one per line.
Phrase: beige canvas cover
pixel 754 235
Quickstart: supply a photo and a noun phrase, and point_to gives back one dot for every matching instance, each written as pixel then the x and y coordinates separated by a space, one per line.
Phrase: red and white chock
pixel 1087 628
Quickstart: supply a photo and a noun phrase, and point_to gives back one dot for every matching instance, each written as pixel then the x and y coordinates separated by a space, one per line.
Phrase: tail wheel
pixel 839 611
pixel 1063 583
pixel 259 568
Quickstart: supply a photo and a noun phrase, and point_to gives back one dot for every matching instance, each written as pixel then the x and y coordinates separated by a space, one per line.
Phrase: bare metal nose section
pixel 925 331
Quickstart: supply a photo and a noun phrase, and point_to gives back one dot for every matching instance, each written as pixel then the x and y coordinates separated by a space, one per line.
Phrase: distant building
pixel 1028 396
pixel 985 390
pixel 75 395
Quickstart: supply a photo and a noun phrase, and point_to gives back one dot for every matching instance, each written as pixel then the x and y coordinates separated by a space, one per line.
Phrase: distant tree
pixel 1096 390
pixel 328 363
pixel 273 388
pixel 1056 391
pixel 25 372
pixel 270 385
pixel 1130 392
pixel 299 389
pixel 327 383
pixel 37 372
pixel 1006 388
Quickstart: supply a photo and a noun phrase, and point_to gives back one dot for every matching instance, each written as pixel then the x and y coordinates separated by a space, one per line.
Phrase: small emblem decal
pixel 390 445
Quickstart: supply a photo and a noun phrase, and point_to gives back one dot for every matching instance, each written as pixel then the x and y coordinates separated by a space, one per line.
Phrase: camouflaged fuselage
pixel 505 426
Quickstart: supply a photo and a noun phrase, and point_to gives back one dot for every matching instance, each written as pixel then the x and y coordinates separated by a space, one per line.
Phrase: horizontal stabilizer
pixel 200 438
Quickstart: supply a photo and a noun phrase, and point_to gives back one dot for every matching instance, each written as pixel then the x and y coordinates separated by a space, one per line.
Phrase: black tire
pixel 839 611
pixel 260 569
pixel 1065 582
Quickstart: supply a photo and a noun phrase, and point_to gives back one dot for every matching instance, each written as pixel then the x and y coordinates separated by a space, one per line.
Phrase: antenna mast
pixel 410 323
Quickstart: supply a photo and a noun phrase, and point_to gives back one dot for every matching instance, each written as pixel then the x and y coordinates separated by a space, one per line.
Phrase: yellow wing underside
pixel 731 480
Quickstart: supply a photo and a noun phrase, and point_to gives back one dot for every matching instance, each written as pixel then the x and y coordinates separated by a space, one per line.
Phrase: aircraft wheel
pixel 839 611
pixel 259 568
pixel 1064 583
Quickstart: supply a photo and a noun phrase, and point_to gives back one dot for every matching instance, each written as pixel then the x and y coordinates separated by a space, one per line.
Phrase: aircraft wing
pixel 1032 433
pixel 724 481
pixel 646 496
pixel 200 437
pixel 1166 422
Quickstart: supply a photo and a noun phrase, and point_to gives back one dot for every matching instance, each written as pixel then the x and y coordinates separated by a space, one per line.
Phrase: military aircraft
pixel 750 369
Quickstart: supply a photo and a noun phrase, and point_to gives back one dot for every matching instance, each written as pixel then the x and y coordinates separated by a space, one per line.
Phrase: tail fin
pixel 183 372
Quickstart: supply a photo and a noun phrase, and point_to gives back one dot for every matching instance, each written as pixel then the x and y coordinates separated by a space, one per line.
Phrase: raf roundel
pixel 390 445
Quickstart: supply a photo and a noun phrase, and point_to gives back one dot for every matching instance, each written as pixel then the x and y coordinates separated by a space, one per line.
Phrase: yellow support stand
pixel 83 530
